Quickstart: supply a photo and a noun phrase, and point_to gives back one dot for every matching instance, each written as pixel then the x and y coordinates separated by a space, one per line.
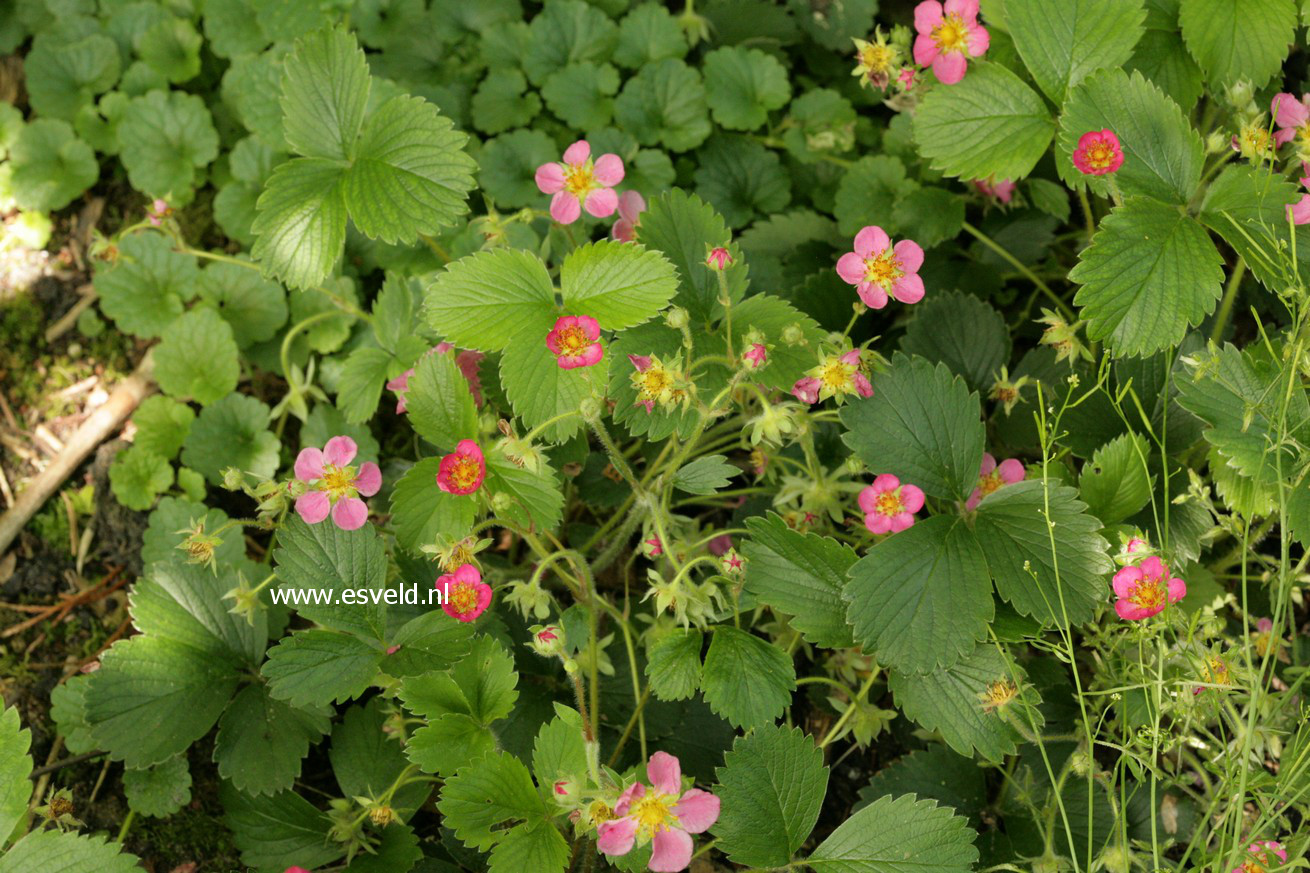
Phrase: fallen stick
pixel 94 431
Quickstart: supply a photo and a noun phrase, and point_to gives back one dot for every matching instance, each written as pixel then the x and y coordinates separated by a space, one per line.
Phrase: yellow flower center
pixel 338 482
pixel 654 382
pixel 1099 154
pixel 835 375
pixel 457 555
pixel 952 35
pixel 999 694
pixel 876 58
pixel 883 270
pixel 1215 671
pixel 463 475
pixel 578 179
pixel 464 597
pixel 989 483
pixel 1258 140
pixel 889 503
pixel 1149 594
pixel 600 812
pixel 572 341
pixel 652 813
pixel 1252 867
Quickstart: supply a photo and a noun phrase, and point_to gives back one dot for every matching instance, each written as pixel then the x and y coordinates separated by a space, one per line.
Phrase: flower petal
pixel 313 506
pixel 927 15
pixel 696 810
pixel 550 178
pixel 925 50
pixel 908 289
pixel 616 837
pixel 850 267
pixel 871 240
pixel 565 208
pixel 1012 471
pixel 369 479
pixel 873 296
pixel 909 254
pixel 1125 579
pixel 868 499
pixel 309 465
pixel 631 205
pixel 966 9
pixel 672 851
pixel 886 482
pixel 878 523
pixel 979 40
pixel 601 202
pixel 950 68
pixel 608 170
pixel 911 498
pixel 1177 590
pixel 578 152
pixel 340 451
pixel 665 773
pixel 350 513
pixel 1289 112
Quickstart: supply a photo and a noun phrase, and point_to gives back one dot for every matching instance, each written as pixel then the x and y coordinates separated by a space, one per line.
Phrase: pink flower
pixel 468 362
pixel 462 471
pixel 720 545
pixel 877 268
pixel 906 76
pixel 580 182
pixel 296 870
pixel 334 485
pixel 653 547
pixel 1264 625
pixel 1293 119
pixel 464 595
pixel 946 35
pixel 1002 191
pixel 1145 589
pixel 718 259
pixel 665 815
pixel 574 341
pixel 1263 853
pixel 1098 153
pixel 1299 212
pixel 631 206
pixel 756 356
pixel 889 506
pixel 806 390
pixel 732 562
pixel 993 476
pixel 858 379
pixel 158 211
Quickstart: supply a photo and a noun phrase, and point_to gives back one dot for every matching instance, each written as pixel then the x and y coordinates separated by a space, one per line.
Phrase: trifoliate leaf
pixel 313 668
pixel 67 852
pixel 582 94
pixel 1150 273
pixel 534 498
pixel 540 389
pixel 921 424
pixel 480 685
pixel 664 103
pixel 1044 551
pixel 673 664
pixel 198 357
pixel 1116 483
pixel 567 32
pixel 868 194
pixel 1062 45
pixel 261 741
pixel 801 575
pixel 160 790
pixel 771 787
pixel 748 85
pixel 508 166
pixel 1163 153
pixel 172 47
pixel 746 680
pixel 325 86
pixel 325 557
pixel 278 831
pixel 422 512
pixel 231 433
pixel 503 101
pixel 685 228
pixel 740 178
pixel 956 703
pixel 253 306
pixel 484 300
pixel 966 334
pixel 618 284
pixel 164 138
pixel 16 766
pixel 50 165
pixel 705 475
pixel 138 476
pixel 301 221
pixel 61 79
pixel 898 835
pixel 1233 40
pixel 990 124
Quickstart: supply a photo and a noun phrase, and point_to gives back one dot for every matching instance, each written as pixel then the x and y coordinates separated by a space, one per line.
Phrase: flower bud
pixel 548 641
pixel 718 259
pixel 565 791
pixel 233 479
pixel 589 408
pixel 676 318
pixel 793 335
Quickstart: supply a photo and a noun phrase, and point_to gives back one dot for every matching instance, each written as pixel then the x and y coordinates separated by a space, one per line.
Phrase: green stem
pixel 1230 297
pixel 1028 274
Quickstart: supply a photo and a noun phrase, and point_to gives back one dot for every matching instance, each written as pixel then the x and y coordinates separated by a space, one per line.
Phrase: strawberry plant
pixel 736 435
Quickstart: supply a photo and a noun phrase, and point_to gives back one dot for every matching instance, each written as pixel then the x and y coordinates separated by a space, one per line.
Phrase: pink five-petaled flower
pixel 462 471
pixel 158 211
pixel 464 594
pixel 631 206
pixel 1293 119
pixel 889 506
pixel 993 476
pixel 718 259
pixel 334 485
pixel 581 182
pixel 1002 191
pixel 1263 853
pixel 664 815
pixel 574 340
pixel 1098 153
pixel 877 268
pixel 946 35
pixel 1145 589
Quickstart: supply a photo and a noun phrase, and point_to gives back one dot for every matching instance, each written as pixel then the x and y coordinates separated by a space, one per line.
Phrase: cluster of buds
pixel 689 602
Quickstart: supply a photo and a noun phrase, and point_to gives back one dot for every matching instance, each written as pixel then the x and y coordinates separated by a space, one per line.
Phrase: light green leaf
pixel 1150 273
pixel 583 94
pixel 143 293
pixel 301 221
pixel 190 596
pixel 952 702
pixel 1247 206
pixel 486 794
pixel 359 389
pixel 990 124
pixel 1061 44
pixel 673 664
pixel 1238 39
pixel 438 402
pixel 540 389
pixel 868 192
pixel 255 307
pixel 536 500
pixel 50 165
pixel 501 103
pixel 482 301
pixel 232 29
pixel 771 788
pixel 172 48
pixel 480 685
pixel 325 86
pixel 173 514
pixel 684 227
pixel 313 668
pixel 422 512
pixel 231 433
pixel 67 852
pixel 536 846
pixel 618 284
pixel 664 103
pixel 325 557
pixel 261 741
pixel 1116 482
pixel 559 752
pixel 898 835
pixel 920 599
pixel 746 680
pixel 449 742
pixel 164 138
pixel 138 476
pixel 198 357
pixel 705 475
pixel 15 767
pixel 567 32
pixel 748 85
pixel 160 790
pixel 922 424
pixel 649 33
pixel 1023 553
pixel 61 79
pixel 801 575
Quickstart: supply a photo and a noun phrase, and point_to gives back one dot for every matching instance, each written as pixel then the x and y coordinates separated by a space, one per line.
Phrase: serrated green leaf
pixel 536 498
pixel 664 103
pixel 325 88
pixel 231 433
pixel 539 844
pixel 313 668
pixel 922 424
pixel 1117 483
pixel 966 334
pixel 648 33
pixel 921 599
pixel 673 665
pixel 952 702
pixel 748 85
pixel 301 221
pixel 232 29
pixel 705 475
pixel 1162 57
pixel 480 685
pixel 145 290
pixel 508 165
pixel 771 788
pixel 61 79
pixel 503 101
pixel 253 306
pixel 172 48
pixel 898 835
pixel 567 32
pixel 367 761
pixel 422 512
pixel 684 227
pixel 278 831
pixel 192 596
pixel 1062 44
pixel 430 639
pixel 1234 40
pixel 1247 206
pixel 618 284
pixel 746 680
pixel 868 193
pixel 486 794
pixel 1023 554
pixel 198 357
pixel 163 139
pixel 582 94
pixel 323 556
pixel 15 767
pixel 158 791
pixel 540 389
pixel 448 742
pixel 50 165
pixel 559 751
pixel 398 850
pixel 138 476
pixel 740 178
pixel 935 773
pixel 67 852
pixel 252 86
pixel 359 389
pixel 1150 273
pixel 801 575
pixel 482 301
pixel 261 741
pixel 990 124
